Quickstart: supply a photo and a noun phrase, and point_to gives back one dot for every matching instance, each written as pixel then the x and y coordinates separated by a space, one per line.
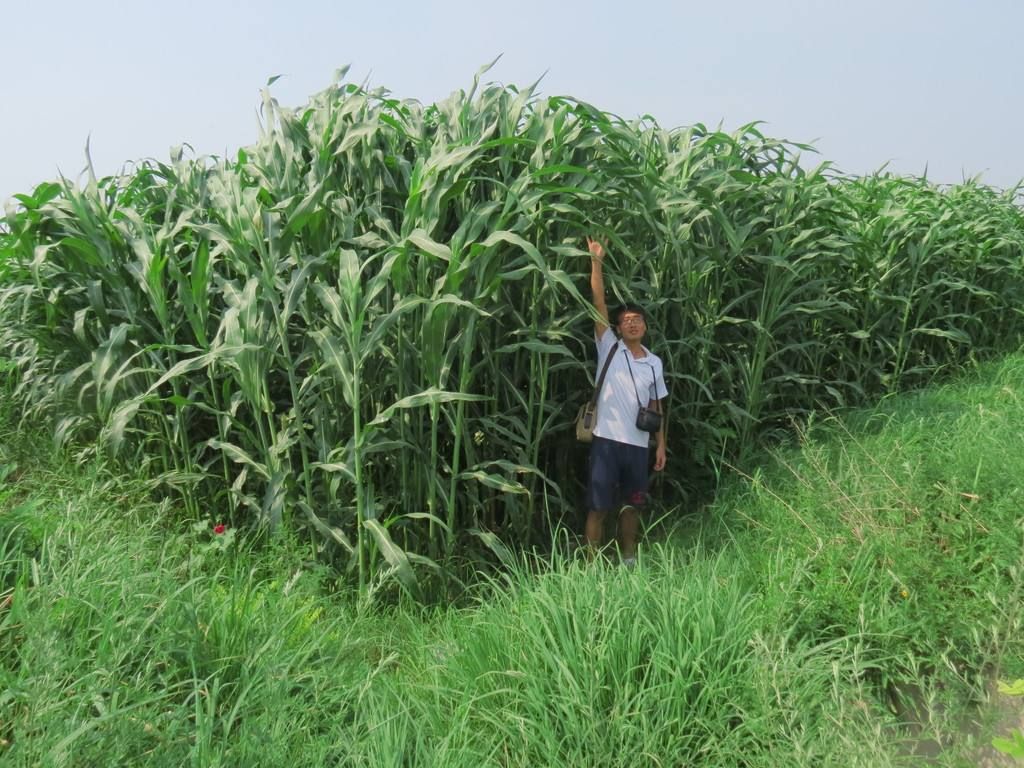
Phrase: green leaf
pixel 239 456
pixel 120 417
pixel 421 240
pixel 272 507
pixel 394 555
pixel 494 544
pixel 426 397
pixel 952 334
pixel 1016 688
pixel 493 481
pixel 1013 746
pixel 328 531
pixel 426 516
pixel 335 467
pixel 534 345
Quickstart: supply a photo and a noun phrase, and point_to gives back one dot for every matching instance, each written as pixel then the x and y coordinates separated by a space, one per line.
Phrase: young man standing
pixel 619 452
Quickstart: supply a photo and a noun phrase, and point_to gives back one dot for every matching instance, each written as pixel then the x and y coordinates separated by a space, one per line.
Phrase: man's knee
pixel 635 501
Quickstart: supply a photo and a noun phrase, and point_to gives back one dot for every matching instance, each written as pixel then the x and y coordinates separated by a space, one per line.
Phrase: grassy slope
pixel 885 554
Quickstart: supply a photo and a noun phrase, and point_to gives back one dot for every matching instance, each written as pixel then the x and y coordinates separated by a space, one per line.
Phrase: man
pixel 619 453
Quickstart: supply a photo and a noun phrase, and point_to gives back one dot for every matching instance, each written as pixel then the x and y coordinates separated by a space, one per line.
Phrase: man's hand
pixel 596 250
pixel 659 458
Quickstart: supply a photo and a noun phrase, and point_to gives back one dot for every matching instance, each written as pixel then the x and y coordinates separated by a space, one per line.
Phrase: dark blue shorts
pixel 618 475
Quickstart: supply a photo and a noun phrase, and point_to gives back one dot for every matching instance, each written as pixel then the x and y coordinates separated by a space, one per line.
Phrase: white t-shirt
pixel 617 405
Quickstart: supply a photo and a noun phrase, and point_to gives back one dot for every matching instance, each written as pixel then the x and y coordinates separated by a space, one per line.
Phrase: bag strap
pixel 604 371
pixel 629 363
pixel 657 408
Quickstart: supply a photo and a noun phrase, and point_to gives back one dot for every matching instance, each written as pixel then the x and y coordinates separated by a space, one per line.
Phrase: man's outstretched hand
pixel 596 249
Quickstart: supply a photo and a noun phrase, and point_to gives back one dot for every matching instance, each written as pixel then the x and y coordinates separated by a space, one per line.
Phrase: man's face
pixel 632 326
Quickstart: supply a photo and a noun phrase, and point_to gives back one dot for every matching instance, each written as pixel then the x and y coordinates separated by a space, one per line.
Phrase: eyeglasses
pixel 631 320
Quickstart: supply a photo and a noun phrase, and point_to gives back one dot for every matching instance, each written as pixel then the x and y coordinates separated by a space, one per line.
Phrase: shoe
pixel 629 562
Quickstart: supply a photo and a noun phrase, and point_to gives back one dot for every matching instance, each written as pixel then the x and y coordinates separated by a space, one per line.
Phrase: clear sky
pixel 914 83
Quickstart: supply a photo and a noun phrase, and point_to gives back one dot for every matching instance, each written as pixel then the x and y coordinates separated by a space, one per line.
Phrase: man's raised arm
pixel 597 285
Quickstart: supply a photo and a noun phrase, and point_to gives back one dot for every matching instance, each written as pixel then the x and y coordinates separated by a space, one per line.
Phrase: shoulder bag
pixel 586 419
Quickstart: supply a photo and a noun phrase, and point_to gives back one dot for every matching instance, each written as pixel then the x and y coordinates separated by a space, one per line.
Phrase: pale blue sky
pixel 910 82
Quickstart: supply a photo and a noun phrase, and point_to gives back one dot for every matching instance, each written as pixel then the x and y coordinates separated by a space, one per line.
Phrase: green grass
pixel 914 506
pixel 787 624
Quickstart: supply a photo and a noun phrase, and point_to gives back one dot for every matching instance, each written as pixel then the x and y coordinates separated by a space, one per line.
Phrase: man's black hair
pixel 629 307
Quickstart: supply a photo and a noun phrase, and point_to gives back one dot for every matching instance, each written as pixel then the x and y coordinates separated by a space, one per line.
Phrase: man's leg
pixel 595 530
pixel 629 522
pixel 635 482
pixel 600 491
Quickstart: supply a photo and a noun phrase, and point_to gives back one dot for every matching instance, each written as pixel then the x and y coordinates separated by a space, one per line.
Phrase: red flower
pixel 218 529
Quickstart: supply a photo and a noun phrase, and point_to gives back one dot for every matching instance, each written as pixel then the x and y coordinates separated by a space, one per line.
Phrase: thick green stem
pixel 465 374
